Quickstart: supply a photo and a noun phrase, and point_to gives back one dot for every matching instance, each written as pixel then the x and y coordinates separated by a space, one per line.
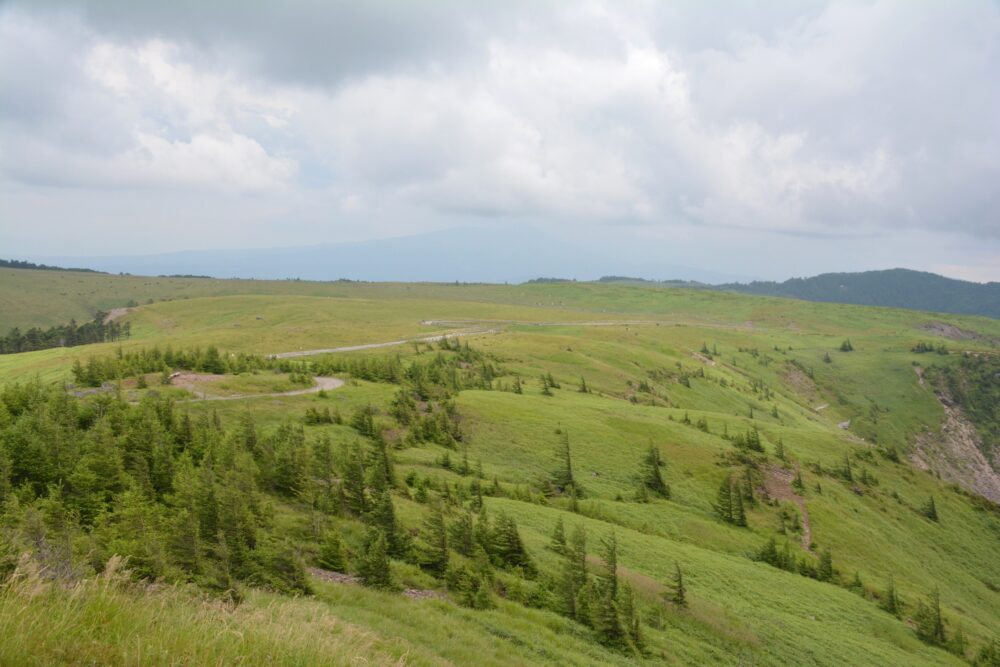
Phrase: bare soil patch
pixel 114 314
pixel 945 330
pixel 955 453
pixel 778 484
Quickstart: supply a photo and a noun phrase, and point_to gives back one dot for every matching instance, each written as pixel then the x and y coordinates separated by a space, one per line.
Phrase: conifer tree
pixel 354 481
pixel 331 552
pixel 607 621
pixel 739 514
pixel 434 555
pixel 545 386
pixel 558 541
pixel 573 577
pixel 679 593
pixel 930 625
pixel 652 478
pixel 630 618
pixel 383 515
pixel 724 501
pixel 929 509
pixel 583 386
pixel 890 600
pixel 779 450
pixel 507 547
pixel 562 476
pixel 518 389
pixel 461 536
pixel 374 566
pixel 825 570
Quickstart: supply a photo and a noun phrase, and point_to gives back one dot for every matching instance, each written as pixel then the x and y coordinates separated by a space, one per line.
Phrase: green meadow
pixel 687 372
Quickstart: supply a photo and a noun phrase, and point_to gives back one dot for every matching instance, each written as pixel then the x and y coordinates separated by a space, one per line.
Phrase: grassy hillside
pixel 683 371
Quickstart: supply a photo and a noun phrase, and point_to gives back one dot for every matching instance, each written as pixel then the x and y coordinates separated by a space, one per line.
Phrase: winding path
pixel 322 384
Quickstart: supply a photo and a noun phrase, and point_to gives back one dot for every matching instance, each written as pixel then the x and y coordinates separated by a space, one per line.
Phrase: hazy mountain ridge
pixel 898 288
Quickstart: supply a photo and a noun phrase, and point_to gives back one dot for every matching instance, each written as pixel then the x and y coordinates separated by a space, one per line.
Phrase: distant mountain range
pixel 499 256
pixel 899 288
pixel 469 255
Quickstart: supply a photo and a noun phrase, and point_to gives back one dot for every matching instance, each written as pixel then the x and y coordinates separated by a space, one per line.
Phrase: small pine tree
pixel 798 484
pixel 558 541
pixel 724 501
pixel 374 566
pixel 434 556
pixel 652 478
pixel 929 509
pixel 739 513
pixel 779 450
pixel 825 570
pixel 331 553
pixel 573 578
pixel 890 600
pixel 518 389
pixel 678 593
pixel 562 476
pixel 583 386
pixel 607 621
pixel 545 386
pixel 930 625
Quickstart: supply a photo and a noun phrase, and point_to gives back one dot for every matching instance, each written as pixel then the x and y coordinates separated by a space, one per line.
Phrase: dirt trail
pixel 191 382
pixel 778 484
pixel 456 334
pixel 114 314
pixel 372 346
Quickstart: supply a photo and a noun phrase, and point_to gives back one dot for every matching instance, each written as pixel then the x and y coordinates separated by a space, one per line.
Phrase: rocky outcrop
pixel 956 453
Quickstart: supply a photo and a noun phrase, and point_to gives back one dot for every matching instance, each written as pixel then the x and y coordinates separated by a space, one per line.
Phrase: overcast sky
pixel 763 139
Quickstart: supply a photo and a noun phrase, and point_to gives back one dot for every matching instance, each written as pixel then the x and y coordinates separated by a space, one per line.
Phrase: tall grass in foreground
pixel 109 621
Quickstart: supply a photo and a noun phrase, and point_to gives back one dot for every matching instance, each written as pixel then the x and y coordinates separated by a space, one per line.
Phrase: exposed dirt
pixel 351 580
pixel 955 453
pixel 702 358
pixel 802 384
pixel 946 330
pixel 115 313
pixel 335 577
pixel 778 484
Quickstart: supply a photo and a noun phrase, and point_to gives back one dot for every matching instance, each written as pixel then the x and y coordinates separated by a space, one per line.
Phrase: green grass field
pixel 639 350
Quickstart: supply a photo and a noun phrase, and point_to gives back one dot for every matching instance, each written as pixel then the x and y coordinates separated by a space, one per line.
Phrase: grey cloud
pixel 792 119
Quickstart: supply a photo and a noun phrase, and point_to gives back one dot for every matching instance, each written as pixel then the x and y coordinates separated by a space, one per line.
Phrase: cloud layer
pixel 807 125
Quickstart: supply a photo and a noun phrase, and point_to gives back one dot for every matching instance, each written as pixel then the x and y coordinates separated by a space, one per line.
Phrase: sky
pixel 752 139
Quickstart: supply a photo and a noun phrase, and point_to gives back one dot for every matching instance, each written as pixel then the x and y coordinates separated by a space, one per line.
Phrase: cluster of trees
pixel 21 264
pixel 603 602
pixel 923 348
pixel 182 497
pixel 65 335
pixel 98 370
pixel 463 367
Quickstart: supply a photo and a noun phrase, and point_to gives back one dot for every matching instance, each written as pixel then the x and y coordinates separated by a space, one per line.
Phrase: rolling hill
pixel 458 498
pixel 899 288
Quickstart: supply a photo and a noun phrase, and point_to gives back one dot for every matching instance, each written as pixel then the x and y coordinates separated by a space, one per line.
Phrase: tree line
pixel 65 335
